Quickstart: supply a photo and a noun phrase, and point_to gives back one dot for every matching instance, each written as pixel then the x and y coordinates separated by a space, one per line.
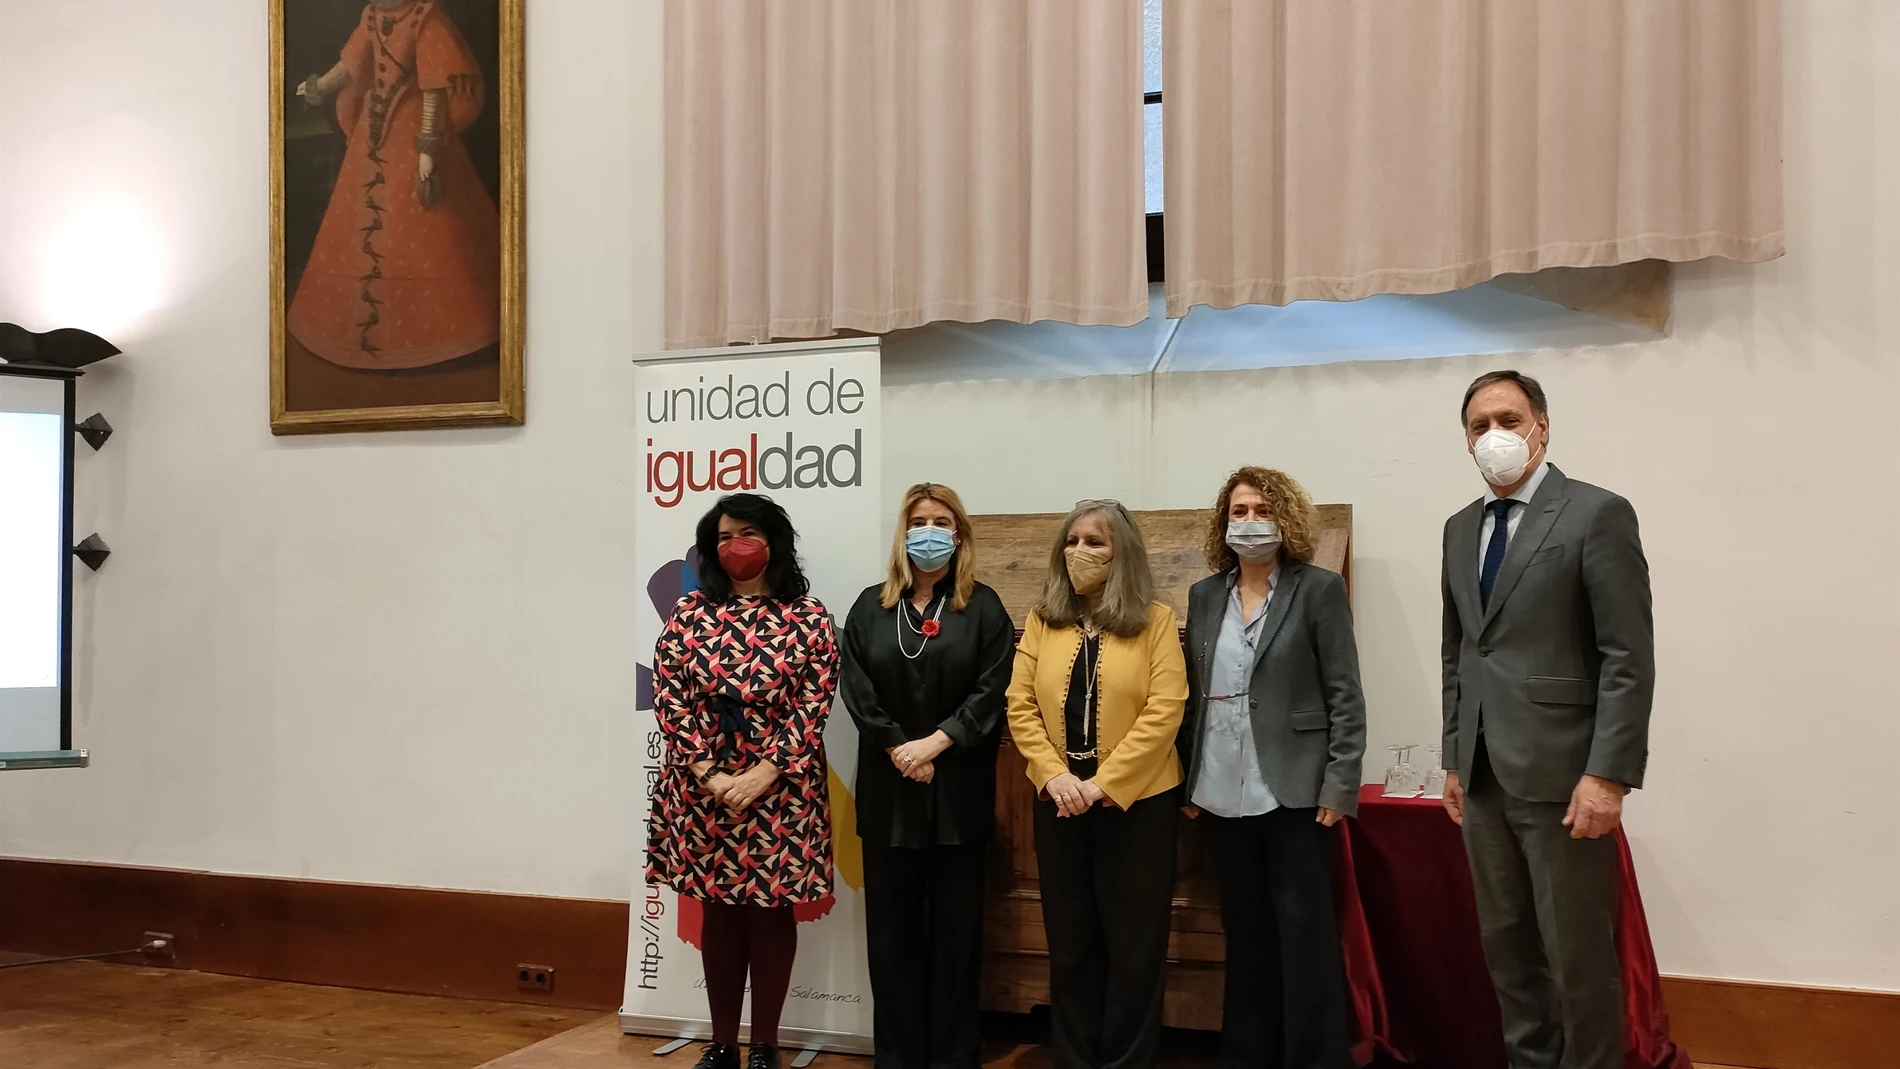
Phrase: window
pixel 1151 100
pixel 1151 125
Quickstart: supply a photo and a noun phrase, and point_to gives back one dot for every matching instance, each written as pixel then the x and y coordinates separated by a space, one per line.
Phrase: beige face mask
pixel 1088 569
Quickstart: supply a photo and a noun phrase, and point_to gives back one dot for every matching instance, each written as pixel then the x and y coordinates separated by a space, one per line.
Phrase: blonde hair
pixel 1286 499
pixel 1130 591
pixel 900 577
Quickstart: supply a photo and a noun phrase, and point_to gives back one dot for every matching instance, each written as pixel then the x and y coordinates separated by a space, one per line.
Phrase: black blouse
pixel 1079 712
pixel 957 684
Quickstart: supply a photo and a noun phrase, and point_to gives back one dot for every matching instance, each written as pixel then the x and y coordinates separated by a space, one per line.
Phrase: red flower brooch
pixel 930 629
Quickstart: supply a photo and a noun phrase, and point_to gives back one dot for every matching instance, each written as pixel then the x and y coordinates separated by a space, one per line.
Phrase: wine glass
pixel 1435 777
pixel 1400 780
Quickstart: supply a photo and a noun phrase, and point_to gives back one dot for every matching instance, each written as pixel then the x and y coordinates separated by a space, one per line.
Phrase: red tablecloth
pixel 1409 926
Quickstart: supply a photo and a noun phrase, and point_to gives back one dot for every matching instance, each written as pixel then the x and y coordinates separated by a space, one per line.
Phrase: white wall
pixel 401 658
pixel 406 658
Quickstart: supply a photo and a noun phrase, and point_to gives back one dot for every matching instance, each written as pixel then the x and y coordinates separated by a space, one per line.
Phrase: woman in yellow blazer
pixel 1095 704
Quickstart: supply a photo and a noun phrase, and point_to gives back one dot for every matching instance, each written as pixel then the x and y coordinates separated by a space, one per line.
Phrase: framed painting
pixel 396 207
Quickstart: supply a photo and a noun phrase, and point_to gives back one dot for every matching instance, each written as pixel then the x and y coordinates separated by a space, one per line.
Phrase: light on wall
pixel 102 264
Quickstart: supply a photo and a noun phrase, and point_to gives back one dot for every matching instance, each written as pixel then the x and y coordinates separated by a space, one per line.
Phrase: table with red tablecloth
pixel 1408 924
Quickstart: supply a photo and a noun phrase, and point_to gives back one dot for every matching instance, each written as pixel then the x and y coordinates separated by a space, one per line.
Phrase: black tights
pixel 736 940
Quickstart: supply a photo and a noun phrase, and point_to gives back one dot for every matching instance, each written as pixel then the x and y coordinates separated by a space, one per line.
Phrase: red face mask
pixel 744 558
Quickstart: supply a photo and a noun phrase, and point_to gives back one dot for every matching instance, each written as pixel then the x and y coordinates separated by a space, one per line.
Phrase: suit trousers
pixel 1547 911
pixel 1286 978
pixel 1107 899
pixel 923 920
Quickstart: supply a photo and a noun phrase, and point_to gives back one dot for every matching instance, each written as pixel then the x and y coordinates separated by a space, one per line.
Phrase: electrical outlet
pixel 160 946
pixel 536 978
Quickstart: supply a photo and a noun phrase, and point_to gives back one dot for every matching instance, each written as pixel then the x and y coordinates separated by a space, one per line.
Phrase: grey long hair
pixel 1130 589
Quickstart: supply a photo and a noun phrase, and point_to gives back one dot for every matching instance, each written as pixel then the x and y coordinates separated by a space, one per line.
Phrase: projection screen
pixel 34 448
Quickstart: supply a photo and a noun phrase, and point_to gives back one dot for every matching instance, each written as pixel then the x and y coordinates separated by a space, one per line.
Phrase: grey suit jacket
pixel 1309 713
pixel 1558 671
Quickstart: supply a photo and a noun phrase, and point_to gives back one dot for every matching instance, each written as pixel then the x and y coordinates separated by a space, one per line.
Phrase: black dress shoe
pixel 764 1056
pixel 718 1056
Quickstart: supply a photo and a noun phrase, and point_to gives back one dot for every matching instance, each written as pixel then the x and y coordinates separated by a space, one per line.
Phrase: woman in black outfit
pixel 926 662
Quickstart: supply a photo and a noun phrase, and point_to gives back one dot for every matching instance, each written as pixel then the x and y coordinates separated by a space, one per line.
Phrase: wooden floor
pixel 601 1046
pixel 1010 1043
pixel 91 1016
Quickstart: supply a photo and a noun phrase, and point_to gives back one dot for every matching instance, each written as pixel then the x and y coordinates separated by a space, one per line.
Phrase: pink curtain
pixel 1333 149
pixel 869 165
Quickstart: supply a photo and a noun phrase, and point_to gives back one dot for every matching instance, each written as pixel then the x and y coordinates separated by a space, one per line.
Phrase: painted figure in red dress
pixel 406 268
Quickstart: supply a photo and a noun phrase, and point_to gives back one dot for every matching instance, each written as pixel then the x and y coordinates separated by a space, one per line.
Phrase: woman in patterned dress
pixel 742 682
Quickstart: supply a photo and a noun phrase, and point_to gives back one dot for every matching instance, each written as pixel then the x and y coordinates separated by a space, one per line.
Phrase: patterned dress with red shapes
pixel 739 682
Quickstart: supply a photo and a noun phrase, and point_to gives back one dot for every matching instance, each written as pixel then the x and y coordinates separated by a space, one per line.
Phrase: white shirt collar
pixel 1525 492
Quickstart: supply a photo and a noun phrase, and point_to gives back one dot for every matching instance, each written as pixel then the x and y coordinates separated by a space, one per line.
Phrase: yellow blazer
pixel 1141 691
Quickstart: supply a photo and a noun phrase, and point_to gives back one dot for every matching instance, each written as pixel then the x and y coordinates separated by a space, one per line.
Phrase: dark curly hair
pixel 784 578
pixel 1292 509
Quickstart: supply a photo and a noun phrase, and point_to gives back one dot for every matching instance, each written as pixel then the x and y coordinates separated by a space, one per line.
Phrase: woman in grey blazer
pixel 1273 738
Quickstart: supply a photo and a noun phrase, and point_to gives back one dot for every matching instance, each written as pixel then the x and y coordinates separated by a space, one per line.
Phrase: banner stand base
pixel 665 1049
pixel 685 1031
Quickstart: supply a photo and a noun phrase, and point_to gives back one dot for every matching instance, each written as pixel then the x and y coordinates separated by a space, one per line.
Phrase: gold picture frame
pixel 414 402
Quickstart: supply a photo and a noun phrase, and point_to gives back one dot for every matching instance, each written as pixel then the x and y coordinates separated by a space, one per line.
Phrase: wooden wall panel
pixel 1014 549
pixel 1774 1026
pixel 348 935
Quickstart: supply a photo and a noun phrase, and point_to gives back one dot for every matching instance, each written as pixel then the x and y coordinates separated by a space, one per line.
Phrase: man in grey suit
pixel 1549 652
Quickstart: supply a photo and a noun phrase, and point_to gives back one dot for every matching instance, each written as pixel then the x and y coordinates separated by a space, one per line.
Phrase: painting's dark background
pixel 314 35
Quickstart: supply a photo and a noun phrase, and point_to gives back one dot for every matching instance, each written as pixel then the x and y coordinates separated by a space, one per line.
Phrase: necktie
pixel 1494 550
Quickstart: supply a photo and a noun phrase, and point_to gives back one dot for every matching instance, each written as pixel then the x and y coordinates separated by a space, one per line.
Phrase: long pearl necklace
pixel 931 626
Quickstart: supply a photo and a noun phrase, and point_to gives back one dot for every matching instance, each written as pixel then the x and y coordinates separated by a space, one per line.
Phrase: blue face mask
pixel 930 548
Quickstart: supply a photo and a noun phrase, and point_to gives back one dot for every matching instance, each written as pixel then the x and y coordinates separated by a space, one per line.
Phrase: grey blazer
pixel 1558 671
pixel 1309 713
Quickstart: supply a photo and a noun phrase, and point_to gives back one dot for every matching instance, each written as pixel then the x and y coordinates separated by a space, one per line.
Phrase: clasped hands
pixel 1596 805
pixel 1073 795
pixel 738 791
pixel 917 760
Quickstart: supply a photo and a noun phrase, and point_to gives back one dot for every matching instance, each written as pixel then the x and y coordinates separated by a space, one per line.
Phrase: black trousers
pixel 923 920
pixel 1286 980
pixel 1547 911
pixel 1107 893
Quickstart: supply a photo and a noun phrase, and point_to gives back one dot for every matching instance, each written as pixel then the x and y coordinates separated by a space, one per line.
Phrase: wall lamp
pixel 67 347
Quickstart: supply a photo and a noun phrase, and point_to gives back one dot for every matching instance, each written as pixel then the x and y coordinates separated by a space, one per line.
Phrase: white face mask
pixel 1253 540
pixel 1502 456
